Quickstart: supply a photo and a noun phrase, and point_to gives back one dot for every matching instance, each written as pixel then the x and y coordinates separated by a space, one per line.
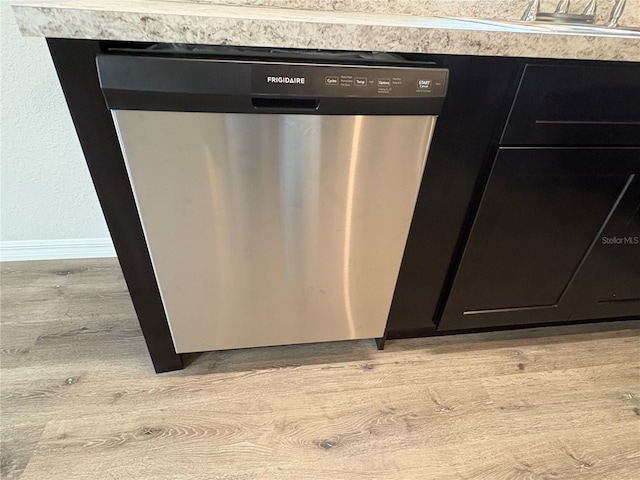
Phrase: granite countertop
pixel 274 26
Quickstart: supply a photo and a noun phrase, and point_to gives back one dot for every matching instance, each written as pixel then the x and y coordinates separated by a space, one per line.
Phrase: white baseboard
pixel 56 249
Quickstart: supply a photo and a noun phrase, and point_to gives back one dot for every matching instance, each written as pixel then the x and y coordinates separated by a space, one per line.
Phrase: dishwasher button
pixel 331 80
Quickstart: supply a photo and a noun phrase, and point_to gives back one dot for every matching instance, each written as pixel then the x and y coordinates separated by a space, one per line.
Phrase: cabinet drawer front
pixel 576 105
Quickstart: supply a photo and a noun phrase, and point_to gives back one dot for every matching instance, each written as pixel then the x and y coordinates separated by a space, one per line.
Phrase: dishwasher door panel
pixel 274 229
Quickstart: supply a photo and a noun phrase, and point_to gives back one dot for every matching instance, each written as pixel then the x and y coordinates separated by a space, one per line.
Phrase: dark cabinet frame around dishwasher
pixel 466 160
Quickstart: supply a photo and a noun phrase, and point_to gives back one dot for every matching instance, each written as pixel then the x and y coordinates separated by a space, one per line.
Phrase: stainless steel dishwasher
pixel 276 197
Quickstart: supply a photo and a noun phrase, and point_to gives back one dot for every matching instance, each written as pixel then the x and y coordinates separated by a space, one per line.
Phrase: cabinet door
pixel 541 216
pixel 609 282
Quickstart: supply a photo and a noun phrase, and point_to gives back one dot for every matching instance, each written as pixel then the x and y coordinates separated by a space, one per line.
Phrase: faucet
pixel 591 8
pixel 532 11
pixel 616 13
pixel 563 6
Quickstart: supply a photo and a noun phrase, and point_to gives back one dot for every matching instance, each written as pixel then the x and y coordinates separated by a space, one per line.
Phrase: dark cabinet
pixel 537 251
pixel 555 236
pixel 609 285
pixel 576 105
pixel 477 105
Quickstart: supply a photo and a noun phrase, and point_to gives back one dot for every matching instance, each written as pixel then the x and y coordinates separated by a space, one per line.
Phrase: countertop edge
pixel 94 24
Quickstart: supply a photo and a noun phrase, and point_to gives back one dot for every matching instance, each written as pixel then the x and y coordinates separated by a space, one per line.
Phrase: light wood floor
pixel 80 398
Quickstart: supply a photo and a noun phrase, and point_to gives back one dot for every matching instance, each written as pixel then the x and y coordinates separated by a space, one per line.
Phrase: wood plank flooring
pixel 80 398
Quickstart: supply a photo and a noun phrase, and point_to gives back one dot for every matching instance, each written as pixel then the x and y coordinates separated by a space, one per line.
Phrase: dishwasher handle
pixel 285 103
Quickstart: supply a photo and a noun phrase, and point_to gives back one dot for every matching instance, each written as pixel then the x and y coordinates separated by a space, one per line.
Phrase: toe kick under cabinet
pixel 556 233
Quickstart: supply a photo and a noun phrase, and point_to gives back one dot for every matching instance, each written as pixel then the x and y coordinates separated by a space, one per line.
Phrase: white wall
pixel 48 207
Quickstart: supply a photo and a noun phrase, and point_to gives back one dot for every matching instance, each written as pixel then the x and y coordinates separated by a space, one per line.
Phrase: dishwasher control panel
pixel 347 81
pixel 179 84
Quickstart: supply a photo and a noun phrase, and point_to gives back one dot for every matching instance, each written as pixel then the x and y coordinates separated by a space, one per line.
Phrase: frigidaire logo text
pixel 295 80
